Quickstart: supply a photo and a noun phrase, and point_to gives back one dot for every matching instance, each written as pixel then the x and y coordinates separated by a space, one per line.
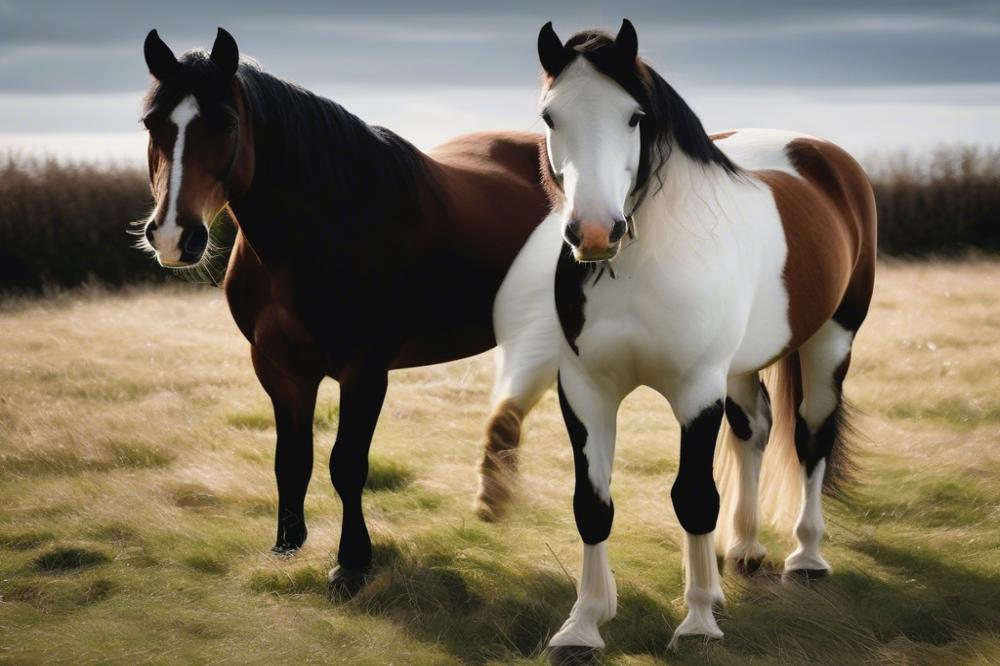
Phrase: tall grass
pixel 137 504
pixel 63 225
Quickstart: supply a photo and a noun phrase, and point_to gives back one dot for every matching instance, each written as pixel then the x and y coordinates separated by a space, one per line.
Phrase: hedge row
pixel 64 225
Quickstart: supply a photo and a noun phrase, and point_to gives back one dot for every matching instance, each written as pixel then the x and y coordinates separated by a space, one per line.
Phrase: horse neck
pixel 688 202
pixel 277 209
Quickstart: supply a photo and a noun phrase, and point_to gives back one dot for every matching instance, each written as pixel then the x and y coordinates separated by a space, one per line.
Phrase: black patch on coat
pixel 570 299
pixel 738 420
pixel 695 497
pixel 814 447
pixel 593 516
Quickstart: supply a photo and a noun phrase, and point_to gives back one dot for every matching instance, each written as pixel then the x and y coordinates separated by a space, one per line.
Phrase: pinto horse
pixel 356 253
pixel 686 263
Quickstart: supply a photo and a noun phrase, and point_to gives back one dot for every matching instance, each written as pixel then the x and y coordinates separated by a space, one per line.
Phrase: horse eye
pixel 634 120
pixel 548 120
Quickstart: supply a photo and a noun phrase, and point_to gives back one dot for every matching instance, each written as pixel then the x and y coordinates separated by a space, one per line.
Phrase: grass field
pixel 137 503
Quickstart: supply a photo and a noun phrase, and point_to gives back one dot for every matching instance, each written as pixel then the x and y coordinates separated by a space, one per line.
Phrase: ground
pixel 137 503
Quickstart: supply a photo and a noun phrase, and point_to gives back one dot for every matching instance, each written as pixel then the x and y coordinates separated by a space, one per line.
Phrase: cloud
pixel 434 69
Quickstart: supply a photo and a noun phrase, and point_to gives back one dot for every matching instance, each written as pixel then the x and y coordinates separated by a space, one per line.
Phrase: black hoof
pixel 573 655
pixel 344 583
pixel 285 549
pixel 805 575
pixel 748 567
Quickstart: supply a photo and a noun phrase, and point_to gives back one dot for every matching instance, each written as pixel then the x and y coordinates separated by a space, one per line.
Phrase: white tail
pixel 781 475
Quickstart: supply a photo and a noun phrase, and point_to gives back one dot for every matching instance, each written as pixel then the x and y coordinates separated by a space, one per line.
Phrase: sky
pixel 876 76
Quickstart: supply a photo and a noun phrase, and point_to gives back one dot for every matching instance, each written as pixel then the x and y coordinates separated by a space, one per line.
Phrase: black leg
pixel 593 516
pixel 293 463
pixel 294 400
pixel 695 497
pixel 361 396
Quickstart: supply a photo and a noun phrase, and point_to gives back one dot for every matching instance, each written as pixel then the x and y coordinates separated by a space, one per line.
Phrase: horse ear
pixel 551 51
pixel 225 53
pixel 159 58
pixel 627 42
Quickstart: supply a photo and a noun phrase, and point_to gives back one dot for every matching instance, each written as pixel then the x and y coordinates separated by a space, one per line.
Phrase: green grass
pixel 137 505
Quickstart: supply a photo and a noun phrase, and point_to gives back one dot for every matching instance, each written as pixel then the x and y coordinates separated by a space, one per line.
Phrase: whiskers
pixel 137 228
pixel 211 268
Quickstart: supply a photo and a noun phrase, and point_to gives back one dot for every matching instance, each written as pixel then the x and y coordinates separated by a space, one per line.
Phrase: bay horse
pixel 687 263
pixel 356 253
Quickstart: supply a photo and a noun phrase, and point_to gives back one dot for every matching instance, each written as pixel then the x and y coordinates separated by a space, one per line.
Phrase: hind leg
pixel 748 411
pixel 824 360
pixel 521 379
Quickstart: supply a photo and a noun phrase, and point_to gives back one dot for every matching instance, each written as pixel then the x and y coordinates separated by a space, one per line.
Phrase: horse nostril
pixel 572 233
pixel 617 231
pixel 194 240
pixel 150 228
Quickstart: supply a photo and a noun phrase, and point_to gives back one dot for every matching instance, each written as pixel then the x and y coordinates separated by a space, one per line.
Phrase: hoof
pixel 285 549
pixel 699 623
pixel 343 583
pixel 573 655
pixel 486 512
pixel 804 575
pixel 748 567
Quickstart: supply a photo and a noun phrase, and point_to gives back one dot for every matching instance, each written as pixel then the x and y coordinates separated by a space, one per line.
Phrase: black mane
pixel 669 121
pixel 309 147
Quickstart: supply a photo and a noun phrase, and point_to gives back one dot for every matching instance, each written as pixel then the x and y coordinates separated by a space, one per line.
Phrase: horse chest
pixel 678 304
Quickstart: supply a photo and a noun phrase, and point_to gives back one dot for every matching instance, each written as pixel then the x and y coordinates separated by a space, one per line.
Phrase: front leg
pixel 696 503
pixel 590 420
pixel 362 391
pixel 293 396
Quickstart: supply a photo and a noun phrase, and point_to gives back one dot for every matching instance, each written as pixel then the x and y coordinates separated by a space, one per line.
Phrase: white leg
pixel 824 359
pixel 596 601
pixel 748 410
pixel 590 421
pixel 527 358
pixel 810 525
pixel 702 590
pixel 698 405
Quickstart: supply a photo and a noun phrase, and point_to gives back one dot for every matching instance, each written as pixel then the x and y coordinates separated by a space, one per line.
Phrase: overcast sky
pixel 874 76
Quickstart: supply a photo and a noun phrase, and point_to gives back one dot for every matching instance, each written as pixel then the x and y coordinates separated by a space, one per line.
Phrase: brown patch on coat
pixel 828 214
pixel 719 136
pixel 498 470
pixel 552 186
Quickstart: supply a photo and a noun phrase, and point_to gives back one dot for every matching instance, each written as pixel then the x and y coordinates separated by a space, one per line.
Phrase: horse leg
pixel 696 502
pixel 293 397
pixel 361 394
pixel 590 421
pixel 521 380
pixel 824 361
pixel 528 337
pixel 748 411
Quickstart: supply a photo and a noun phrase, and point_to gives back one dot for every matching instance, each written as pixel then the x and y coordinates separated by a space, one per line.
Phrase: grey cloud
pixel 66 47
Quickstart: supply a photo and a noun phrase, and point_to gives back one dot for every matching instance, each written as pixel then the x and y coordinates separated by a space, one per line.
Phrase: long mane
pixel 312 148
pixel 669 122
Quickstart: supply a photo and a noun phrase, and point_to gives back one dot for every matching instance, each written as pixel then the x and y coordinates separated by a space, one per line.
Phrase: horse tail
pixel 781 472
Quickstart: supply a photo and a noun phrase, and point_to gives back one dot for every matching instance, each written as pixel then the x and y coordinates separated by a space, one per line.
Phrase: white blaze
pixel 166 237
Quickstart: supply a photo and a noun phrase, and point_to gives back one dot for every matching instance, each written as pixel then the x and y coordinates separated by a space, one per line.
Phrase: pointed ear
pixel 225 53
pixel 627 42
pixel 551 51
pixel 159 58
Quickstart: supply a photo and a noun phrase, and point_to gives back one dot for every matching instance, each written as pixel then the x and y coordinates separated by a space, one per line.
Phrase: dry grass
pixel 137 503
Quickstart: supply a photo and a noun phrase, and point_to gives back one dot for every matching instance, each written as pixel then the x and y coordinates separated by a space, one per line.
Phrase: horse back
pixel 494 195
